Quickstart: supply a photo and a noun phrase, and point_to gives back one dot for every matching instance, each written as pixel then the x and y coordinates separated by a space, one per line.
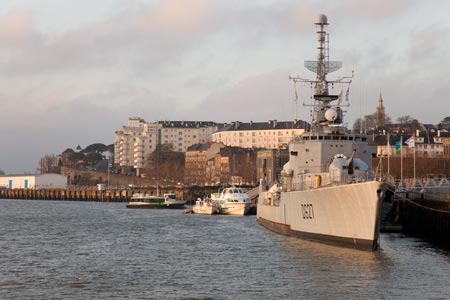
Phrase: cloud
pixel 214 60
pixel 16 28
pixel 170 27
pixel 258 98
pixel 369 10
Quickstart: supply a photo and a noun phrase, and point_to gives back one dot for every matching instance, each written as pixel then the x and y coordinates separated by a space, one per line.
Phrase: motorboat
pixel 205 207
pixel 232 201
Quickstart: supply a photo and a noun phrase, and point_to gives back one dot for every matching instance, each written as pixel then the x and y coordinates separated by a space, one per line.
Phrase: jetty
pixel 422 210
pixel 93 194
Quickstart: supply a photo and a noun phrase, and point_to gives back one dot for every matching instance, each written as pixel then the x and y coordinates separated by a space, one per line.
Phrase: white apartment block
pixel 183 134
pixel 268 135
pixel 139 138
pixel 422 147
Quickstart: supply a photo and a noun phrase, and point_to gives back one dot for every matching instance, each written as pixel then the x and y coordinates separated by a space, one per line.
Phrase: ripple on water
pixel 70 250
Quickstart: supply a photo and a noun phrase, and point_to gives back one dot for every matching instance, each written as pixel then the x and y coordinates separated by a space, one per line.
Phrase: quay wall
pixel 426 216
pixel 109 195
pixel 89 195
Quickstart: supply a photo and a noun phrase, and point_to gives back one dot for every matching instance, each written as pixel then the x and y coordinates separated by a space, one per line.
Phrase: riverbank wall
pixel 426 216
pixel 109 195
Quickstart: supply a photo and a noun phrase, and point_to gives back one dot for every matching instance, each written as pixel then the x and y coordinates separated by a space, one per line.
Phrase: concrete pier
pixel 426 216
pixel 109 195
pixel 88 195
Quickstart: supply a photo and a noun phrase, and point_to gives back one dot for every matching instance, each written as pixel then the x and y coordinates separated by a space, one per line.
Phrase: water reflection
pixel 104 251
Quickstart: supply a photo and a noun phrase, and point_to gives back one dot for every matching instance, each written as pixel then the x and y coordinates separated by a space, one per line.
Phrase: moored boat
pixel 205 207
pixel 232 201
pixel 169 200
pixel 328 191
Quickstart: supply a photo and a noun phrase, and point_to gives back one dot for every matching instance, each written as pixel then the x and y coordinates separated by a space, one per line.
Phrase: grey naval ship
pixel 328 191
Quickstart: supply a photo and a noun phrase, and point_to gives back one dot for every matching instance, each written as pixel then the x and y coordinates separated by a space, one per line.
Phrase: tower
pixel 380 115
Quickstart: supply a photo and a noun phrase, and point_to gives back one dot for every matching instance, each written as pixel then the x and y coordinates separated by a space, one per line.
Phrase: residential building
pixel 134 142
pixel 233 165
pixel 182 134
pixel 269 164
pixel 130 144
pixel 426 144
pixel 196 163
pixel 268 135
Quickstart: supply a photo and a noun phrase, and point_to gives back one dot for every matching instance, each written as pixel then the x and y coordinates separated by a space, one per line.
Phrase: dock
pixel 84 194
pixel 91 194
pixel 421 214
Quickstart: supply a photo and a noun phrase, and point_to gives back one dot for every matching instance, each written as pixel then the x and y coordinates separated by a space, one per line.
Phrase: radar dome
pixel 322 19
pixel 331 115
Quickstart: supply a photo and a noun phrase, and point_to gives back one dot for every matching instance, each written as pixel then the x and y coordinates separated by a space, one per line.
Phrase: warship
pixel 328 190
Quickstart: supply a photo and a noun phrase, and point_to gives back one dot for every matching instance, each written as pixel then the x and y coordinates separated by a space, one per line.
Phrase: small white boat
pixel 232 201
pixel 205 207
pixel 140 200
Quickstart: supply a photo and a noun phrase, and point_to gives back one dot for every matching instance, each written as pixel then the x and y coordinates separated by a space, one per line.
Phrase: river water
pixel 76 250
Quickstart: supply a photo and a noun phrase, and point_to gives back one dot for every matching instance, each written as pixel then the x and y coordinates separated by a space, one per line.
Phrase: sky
pixel 73 71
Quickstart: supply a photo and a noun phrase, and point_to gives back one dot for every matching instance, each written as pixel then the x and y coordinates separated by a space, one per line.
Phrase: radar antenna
pixel 322 67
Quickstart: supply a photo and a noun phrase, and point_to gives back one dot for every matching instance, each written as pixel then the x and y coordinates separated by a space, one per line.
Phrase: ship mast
pixel 327 117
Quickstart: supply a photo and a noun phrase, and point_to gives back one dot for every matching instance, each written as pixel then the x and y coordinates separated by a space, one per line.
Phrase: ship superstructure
pixel 328 190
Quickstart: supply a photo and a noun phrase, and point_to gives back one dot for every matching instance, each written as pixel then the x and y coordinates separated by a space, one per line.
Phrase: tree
pixel 2 172
pixel 97 147
pixel 48 164
pixel 110 148
pixel 445 123
pixel 164 164
pixel 76 156
pixel 407 120
pixel 92 158
pixel 366 124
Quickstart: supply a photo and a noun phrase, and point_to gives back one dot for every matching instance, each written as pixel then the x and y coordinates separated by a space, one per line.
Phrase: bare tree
pixel 407 120
pixel 48 164
pixel 164 164
pixel 445 123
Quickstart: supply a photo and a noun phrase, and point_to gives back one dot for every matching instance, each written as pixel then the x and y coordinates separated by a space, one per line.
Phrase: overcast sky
pixel 73 71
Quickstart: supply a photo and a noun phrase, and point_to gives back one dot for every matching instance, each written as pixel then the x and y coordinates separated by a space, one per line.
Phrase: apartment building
pixel 183 134
pixel 232 165
pixel 135 141
pixel 431 144
pixel 268 135
pixel 197 171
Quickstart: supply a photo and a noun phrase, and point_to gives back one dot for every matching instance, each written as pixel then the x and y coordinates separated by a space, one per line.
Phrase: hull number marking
pixel 307 211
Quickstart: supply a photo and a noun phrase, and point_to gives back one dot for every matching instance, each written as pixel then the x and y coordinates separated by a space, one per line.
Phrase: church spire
pixel 380 100
pixel 380 115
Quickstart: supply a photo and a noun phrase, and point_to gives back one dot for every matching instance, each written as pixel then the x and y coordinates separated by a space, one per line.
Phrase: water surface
pixel 77 250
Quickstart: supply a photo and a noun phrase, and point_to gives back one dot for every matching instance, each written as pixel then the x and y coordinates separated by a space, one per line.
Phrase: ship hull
pixel 146 205
pixel 346 215
pixel 234 209
pixel 205 210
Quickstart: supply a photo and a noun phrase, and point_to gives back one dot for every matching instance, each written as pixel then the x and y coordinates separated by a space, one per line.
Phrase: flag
pixel 411 142
pixel 295 93
pixel 398 145
pixel 340 98
pixel 347 93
